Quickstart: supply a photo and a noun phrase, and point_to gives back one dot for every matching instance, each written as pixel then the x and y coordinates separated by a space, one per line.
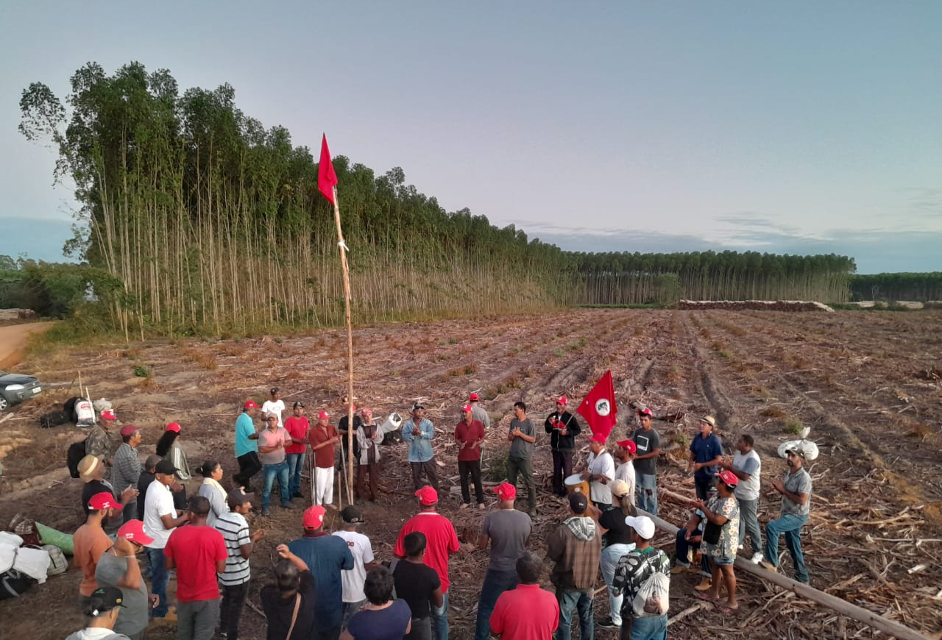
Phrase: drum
pixel 575 484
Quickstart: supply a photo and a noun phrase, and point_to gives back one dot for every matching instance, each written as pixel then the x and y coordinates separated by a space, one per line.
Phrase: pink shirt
pixel 269 438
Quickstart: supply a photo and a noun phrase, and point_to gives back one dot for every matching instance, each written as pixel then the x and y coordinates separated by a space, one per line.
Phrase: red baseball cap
pixel 505 491
pixel 366 411
pixel 427 496
pixel 103 500
pixel 562 400
pixel 728 477
pixel 313 517
pixel 250 405
pixel 645 412
pixel 173 426
pixel 467 409
pixel 134 530
pixel 323 415
pixel 128 430
pixel 599 439
pixel 628 445
pixel 474 397
pixel 108 415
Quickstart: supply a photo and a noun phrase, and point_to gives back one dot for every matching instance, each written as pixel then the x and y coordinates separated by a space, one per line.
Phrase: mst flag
pixel 599 408
pixel 326 178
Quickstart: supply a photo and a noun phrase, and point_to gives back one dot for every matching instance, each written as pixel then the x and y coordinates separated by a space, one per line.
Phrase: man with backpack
pixel 643 576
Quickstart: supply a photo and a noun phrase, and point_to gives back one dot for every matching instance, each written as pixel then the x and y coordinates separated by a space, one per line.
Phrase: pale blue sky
pixel 803 127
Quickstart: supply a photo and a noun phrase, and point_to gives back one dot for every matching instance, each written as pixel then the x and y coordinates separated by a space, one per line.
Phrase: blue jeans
pixel 682 546
pixel 495 583
pixel 272 470
pixel 647 628
pixel 159 579
pixel 295 465
pixel 791 526
pixel 440 619
pixel 570 599
pixel 647 502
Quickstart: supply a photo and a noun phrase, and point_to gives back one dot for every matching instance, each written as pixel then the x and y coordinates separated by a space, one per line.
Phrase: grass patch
pixel 452 340
pixel 793 425
pixel 773 412
pixel 142 371
pixel 724 353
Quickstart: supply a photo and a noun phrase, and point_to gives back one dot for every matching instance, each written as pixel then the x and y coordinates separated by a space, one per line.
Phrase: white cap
pixel 642 525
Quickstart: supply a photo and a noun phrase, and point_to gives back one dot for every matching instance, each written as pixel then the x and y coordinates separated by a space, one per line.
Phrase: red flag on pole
pixel 326 178
pixel 599 408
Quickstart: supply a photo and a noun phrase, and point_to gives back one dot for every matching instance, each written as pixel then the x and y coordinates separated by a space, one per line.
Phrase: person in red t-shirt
pixel 527 612
pixel 442 540
pixel 470 433
pixel 198 553
pixel 298 427
pixel 324 439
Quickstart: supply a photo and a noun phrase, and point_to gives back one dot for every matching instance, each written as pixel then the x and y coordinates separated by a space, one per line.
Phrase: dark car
pixel 15 388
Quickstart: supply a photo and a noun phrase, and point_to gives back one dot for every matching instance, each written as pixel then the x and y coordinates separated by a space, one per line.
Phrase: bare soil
pixel 868 385
pixel 13 338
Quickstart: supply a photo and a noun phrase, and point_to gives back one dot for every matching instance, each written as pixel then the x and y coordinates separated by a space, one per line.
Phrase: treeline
pixel 891 287
pixel 637 278
pixel 212 222
pixel 52 290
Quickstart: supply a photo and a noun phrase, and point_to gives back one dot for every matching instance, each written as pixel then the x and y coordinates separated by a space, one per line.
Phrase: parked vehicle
pixel 16 387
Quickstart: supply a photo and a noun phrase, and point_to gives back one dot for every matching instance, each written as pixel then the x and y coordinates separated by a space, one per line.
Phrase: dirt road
pixel 13 340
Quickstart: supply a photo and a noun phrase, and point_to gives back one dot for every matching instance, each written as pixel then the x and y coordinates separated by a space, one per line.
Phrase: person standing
pixel 143 482
pixel 271 451
pixel 442 540
pixel 418 431
pixel 160 520
pixel 600 471
pixel 522 436
pixel 576 549
pixel 368 438
pixel 625 471
pixel 198 553
pixel 796 507
pixel 327 557
pixel 246 446
pixel 706 453
pixel 92 473
pixel 563 427
pixel 99 442
pixel 274 406
pixel 633 570
pixel 289 604
pixel 363 561
pixel 118 568
pixel 91 541
pixel 618 542
pixel 722 513
pixel 526 612
pixel 169 448
pixel 507 531
pixel 747 466
pixel 343 431
pixel 478 412
pixel 127 467
pixel 469 433
pixel 419 585
pixel 234 580
pixel 212 490
pixel 382 617
pixel 297 427
pixel 648 448
pixel 324 440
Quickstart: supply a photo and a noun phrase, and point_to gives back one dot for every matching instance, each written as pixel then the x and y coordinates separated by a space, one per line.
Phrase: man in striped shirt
pixel 239 543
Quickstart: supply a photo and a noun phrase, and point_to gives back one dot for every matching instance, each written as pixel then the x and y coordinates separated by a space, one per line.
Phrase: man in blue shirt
pixel 418 432
pixel 246 446
pixel 326 556
pixel 706 453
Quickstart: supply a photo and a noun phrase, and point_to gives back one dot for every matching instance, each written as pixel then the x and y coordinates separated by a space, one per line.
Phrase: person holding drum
pixel 599 471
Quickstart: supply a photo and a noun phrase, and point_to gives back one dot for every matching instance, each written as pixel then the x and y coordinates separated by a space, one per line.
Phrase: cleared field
pixel 868 385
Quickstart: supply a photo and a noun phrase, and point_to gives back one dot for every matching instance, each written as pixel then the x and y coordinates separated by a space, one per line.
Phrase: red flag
pixel 326 178
pixel 599 408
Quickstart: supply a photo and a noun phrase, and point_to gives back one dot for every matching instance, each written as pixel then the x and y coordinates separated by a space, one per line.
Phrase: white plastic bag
pixel 806 447
pixel 653 598
pixel 84 413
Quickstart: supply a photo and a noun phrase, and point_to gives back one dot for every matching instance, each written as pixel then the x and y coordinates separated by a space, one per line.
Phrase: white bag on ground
pixel 84 413
pixel 806 447
pixel 393 422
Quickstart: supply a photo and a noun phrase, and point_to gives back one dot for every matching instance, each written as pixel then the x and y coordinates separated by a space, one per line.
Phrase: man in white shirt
pixel 600 470
pixel 747 466
pixel 362 551
pixel 160 519
pixel 274 406
pixel 624 452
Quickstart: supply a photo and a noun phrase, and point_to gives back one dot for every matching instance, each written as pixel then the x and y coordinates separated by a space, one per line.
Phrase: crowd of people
pixel 329 585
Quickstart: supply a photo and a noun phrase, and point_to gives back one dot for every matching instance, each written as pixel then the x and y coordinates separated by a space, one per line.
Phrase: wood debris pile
pixel 753 305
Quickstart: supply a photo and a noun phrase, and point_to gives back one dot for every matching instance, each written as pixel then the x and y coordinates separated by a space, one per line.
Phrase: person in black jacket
pixel 147 476
pixel 564 428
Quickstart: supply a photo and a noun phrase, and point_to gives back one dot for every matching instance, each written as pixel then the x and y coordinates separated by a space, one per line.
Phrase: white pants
pixel 610 557
pixel 323 485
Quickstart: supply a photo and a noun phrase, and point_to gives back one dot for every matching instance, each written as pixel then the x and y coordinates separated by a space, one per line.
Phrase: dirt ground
pixel 13 339
pixel 867 384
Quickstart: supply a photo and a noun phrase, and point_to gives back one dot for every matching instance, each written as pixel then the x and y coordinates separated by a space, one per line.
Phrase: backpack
pixel 14 583
pixel 75 455
pixel 653 598
pixel 58 563
pixel 54 419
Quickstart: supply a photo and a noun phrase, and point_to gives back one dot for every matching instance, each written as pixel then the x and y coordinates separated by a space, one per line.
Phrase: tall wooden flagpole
pixel 346 296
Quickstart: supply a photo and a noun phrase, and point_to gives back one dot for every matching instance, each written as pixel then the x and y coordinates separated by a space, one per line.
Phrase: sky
pixel 785 127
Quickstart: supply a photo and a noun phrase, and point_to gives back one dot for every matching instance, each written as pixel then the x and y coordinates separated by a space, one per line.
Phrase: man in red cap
pixel 478 411
pixel 246 445
pixel 563 428
pixel 470 433
pixel 326 557
pixel 648 443
pixel 324 439
pixel 99 442
pixel 127 467
pixel 507 531
pixel 119 568
pixel 625 471
pixel 91 541
pixel 442 540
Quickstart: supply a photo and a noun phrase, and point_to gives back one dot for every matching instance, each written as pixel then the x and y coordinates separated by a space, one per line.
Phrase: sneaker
pixel 297 494
pixel 706 583
pixel 222 634
pixel 607 623
pixel 768 566
pixel 532 513
pixel 679 568
pixel 757 558
pixel 289 505
pixel 264 512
